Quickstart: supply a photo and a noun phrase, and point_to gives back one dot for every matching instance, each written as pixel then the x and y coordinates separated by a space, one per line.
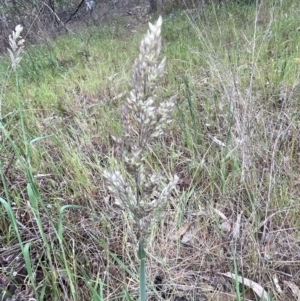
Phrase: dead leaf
pixel 222 215
pixel 225 226
pixel 237 227
pixel 187 237
pixel 294 288
pixel 182 232
pixel 184 229
pixel 276 282
pixel 258 289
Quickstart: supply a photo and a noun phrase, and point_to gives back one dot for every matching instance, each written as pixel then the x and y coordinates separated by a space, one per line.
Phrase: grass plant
pixel 142 123
pixel 233 141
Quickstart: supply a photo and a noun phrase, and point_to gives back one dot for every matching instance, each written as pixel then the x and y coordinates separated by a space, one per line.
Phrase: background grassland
pixel 234 144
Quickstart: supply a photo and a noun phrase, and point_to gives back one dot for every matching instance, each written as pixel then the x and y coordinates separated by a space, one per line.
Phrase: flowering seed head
pixel 144 119
pixel 16 44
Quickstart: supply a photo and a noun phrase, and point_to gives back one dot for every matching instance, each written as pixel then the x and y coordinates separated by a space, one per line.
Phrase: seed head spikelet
pixel 16 44
pixel 144 119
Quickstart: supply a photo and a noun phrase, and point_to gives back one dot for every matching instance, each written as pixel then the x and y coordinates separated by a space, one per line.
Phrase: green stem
pixel 142 257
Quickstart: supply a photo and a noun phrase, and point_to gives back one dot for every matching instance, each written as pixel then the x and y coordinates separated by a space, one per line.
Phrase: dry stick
pixel 57 17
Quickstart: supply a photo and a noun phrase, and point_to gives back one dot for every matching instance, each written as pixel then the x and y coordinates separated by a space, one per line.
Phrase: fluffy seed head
pixel 144 119
pixel 16 44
